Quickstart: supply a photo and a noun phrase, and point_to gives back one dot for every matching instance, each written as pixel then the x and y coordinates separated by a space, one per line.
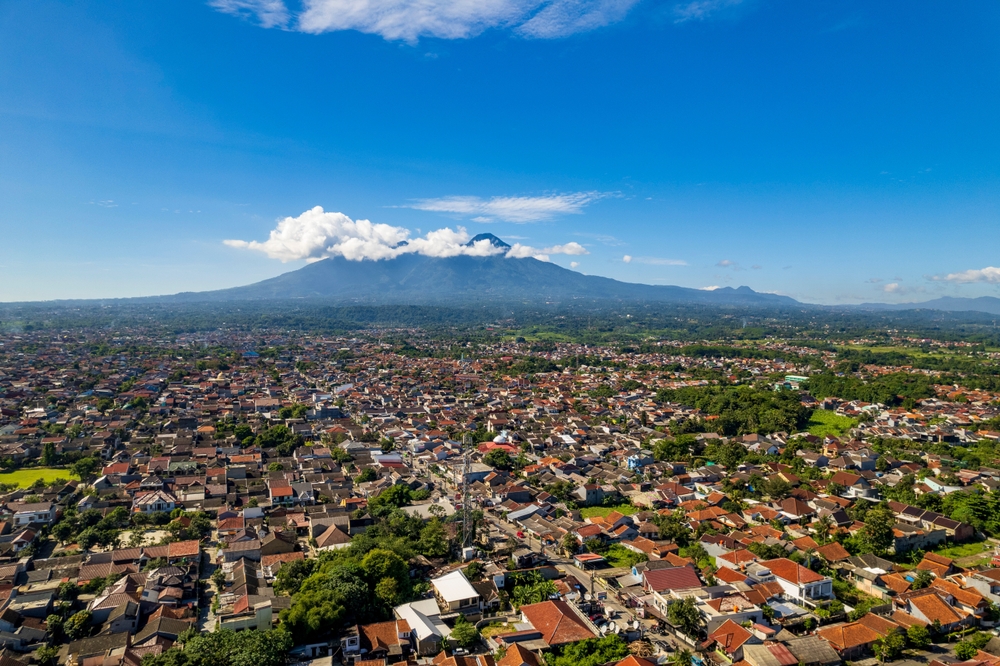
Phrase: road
pixel 611 604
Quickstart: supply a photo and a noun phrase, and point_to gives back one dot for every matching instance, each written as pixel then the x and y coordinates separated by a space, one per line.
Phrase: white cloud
pixel 574 264
pixel 699 10
pixel 270 13
pixel 317 234
pixel 519 210
pixel 725 263
pixel 518 251
pixel 892 288
pixel 409 20
pixel 627 259
pixel 712 288
pixel 990 274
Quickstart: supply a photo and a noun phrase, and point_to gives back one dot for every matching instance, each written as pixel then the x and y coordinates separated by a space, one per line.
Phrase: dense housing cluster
pixel 266 498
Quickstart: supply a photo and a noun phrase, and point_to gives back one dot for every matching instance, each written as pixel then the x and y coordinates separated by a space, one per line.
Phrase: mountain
pixel 987 304
pixel 416 279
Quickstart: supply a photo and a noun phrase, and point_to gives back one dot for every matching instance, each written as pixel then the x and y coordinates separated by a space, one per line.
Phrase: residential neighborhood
pixel 364 502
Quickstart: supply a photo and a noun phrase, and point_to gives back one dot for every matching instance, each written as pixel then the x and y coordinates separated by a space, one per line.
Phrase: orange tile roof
pixel 730 636
pixel 785 569
pixel 557 622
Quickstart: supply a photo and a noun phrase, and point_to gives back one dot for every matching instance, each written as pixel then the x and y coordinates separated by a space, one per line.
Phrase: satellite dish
pixel 635 624
pixel 587 596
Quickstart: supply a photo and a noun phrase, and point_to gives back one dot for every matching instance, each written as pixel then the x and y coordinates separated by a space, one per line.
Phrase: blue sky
pixel 832 151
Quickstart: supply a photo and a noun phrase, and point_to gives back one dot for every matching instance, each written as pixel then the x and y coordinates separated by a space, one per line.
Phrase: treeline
pixel 740 410
pixel 895 389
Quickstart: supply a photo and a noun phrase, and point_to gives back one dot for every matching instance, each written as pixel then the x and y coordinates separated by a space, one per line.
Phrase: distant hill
pixel 416 279
pixel 987 304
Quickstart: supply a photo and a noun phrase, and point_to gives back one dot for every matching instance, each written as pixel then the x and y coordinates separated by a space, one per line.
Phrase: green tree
pixel 499 459
pixel 684 615
pixel 464 633
pixel 47 655
pixel 876 536
pixel 918 636
pixel 890 646
pixel 84 468
pixel 921 579
pixel 78 625
pixel 590 652
pixel 48 454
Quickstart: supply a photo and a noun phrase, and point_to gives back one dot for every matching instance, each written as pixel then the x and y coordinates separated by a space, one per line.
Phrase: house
pixel 730 608
pixel 853 640
pixel 589 494
pixel 729 639
pixel 558 622
pixel 517 655
pixel 670 578
pixel 391 641
pixel 930 605
pixel 27 513
pixel 455 594
pixel 153 502
pixel 427 629
pixel 798 582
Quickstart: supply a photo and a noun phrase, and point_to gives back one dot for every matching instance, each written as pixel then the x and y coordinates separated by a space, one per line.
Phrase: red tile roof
pixel 674 578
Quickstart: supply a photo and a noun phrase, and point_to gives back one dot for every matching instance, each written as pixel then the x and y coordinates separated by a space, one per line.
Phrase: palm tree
pixel 681 658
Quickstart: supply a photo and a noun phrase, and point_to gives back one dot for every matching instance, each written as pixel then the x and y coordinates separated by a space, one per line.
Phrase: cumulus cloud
pixel 892 288
pixel 317 234
pixel 408 21
pixel 627 259
pixel 519 210
pixel 712 288
pixel 726 263
pixel 990 274
pixel 574 264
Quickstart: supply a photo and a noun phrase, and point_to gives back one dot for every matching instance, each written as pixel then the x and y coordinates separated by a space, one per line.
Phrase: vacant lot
pixel 625 509
pixel 824 422
pixel 27 477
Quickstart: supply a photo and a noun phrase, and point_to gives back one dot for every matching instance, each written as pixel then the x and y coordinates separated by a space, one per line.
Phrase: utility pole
pixel 466 509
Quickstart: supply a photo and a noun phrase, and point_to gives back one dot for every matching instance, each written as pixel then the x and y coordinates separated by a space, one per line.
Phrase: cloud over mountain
pixel 317 234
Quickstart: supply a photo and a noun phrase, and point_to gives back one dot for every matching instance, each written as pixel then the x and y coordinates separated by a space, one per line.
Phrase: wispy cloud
pixel 317 234
pixel 269 13
pixel 519 210
pixel 892 288
pixel 711 288
pixel 604 239
pixel 700 10
pixel 726 263
pixel 990 275
pixel 106 203
pixel 407 20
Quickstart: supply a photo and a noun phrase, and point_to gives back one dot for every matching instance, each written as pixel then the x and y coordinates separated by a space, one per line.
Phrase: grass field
pixel 956 551
pixel 824 422
pixel 26 477
pixel 625 509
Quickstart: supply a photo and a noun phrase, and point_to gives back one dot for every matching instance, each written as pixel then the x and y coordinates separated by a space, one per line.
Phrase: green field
pixel 27 477
pixel 625 509
pixel 824 422
pixel 956 551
